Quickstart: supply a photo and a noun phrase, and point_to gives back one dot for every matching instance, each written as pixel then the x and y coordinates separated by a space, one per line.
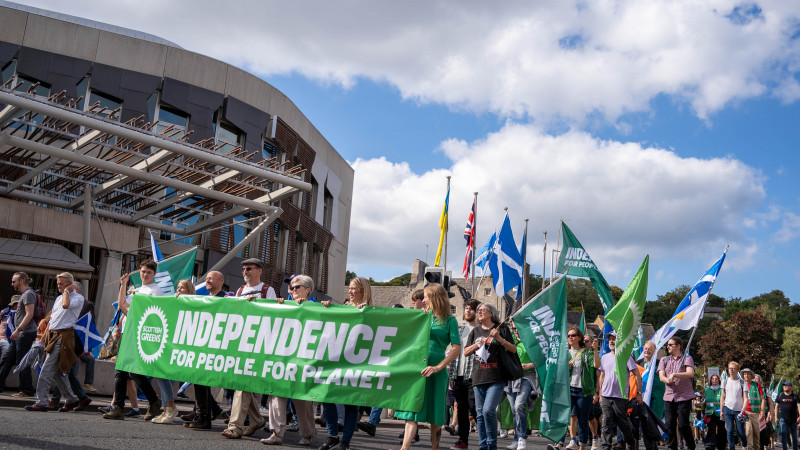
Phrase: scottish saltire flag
pixel 157 256
pixel 469 236
pixel 505 261
pixel 10 325
pixel 87 332
pixel 626 317
pixel 690 310
pixel 201 289
pixel 522 259
pixel 442 226
pixel 486 252
pixel 647 380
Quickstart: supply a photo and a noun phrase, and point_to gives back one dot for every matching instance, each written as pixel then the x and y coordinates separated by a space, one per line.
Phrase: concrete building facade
pixel 109 95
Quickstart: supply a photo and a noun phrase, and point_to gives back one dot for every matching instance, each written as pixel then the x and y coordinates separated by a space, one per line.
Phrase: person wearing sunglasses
pixel 581 387
pixel 677 373
pixel 613 402
pixel 300 288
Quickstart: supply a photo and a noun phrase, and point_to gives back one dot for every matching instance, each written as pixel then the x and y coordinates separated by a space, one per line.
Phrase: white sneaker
pixel 304 441
pixel 522 444
pixel 595 444
pixel 573 445
pixel 512 445
pixel 503 434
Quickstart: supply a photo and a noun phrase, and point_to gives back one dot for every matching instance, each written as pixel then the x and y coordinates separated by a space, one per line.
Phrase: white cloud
pixel 622 200
pixel 790 228
pixel 547 60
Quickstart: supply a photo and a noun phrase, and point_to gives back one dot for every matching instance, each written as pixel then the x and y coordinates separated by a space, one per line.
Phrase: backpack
pixel 39 311
pixel 264 290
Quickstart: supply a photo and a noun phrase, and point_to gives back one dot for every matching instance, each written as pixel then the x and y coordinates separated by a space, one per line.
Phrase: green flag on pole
pixel 170 271
pixel 626 317
pixel 582 324
pixel 542 327
pixel 575 261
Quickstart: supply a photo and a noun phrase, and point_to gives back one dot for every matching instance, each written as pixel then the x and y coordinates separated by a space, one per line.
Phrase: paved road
pixel 87 430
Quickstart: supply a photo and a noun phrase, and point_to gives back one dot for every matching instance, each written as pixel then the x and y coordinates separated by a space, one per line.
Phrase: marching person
pixel 300 288
pixel 244 403
pixel 788 404
pixel 677 373
pixel 715 429
pixel 59 343
pixel 732 401
pixel 460 372
pixel 360 295
pixel 22 338
pixel 444 331
pixel 486 341
pixel 147 271
pixel 755 408
pixel 614 405
pixel 582 387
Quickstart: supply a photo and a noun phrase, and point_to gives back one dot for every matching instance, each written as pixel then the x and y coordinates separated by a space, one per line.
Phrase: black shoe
pixel 201 422
pixel 321 422
pixel 133 413
pixel 344 445
pixel 416 437
pixel 332 441
pixel 366 427
pixel 182 395
pixel 450 430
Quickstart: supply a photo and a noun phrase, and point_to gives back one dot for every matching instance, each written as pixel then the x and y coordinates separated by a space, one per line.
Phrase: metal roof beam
pixel 6 138
pixel 79 118
pixel 238 211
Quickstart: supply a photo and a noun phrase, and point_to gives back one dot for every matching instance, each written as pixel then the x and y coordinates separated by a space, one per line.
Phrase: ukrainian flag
pixel 442 226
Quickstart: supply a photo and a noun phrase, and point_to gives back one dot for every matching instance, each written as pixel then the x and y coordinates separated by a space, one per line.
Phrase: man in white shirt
pixel 732 401
pixel 147 271
pixel 59 336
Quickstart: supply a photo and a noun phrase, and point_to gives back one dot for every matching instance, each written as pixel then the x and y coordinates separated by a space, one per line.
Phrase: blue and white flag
pixel 87 332
pixel 505 262
pixel 157 256
pixel 201 289
pixel 486 252
pixel 691 308
pixel 647 380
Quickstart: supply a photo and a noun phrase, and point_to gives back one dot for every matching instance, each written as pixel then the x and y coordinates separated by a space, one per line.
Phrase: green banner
pixel 170 271
pixel 626 318
pixel 542 327
pixel 341 354
pixel 575 261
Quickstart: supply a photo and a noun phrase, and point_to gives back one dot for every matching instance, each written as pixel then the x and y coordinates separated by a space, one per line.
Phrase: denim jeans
pixel 519 406
pixel 788 428
pixel 167 389
pixel 375 416
pixel 14 353
pixel 730 423
pixel 581 407
pixel 332 417
pixel 487 397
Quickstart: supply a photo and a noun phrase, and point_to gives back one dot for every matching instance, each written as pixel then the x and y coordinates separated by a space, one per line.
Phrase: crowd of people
pixel 465 383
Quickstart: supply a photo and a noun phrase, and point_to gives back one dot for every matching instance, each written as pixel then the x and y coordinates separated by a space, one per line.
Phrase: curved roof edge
pixel 90 23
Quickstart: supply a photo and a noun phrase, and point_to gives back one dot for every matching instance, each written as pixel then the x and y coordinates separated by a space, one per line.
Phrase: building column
pixel 107 290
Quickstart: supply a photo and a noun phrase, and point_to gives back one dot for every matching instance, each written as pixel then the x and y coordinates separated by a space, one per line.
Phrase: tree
pixel 789 363
pixel 580 291
pixel 402 280
pixel 748 338
pixel 348 277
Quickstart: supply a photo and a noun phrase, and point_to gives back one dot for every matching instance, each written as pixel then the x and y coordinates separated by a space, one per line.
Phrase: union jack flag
pixel 469 236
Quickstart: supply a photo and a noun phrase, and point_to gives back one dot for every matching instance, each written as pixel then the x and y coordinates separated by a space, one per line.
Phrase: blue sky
pixel 660 128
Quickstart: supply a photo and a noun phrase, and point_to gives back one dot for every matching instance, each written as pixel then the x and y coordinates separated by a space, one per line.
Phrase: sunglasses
pixel 248 269
pixel 671 345
pixel 295 287
pixel 572 335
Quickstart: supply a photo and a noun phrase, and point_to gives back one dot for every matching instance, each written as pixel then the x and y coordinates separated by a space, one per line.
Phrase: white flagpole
pixel 544 260
pixel 474 235
pixel 446 224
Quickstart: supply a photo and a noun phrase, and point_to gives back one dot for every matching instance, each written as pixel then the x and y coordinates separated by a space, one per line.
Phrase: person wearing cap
pixel 715 430
pixel 787 408
pixel 244 403
pixel 755 407
pixel 677 373
pixel 613 403
pixel 732 401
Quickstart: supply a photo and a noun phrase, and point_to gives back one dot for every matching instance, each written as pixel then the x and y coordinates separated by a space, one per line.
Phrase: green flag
pixel 626 318
pixel 575 261
pixel 582 324
pixel 170 271
pixel 369 357
pixel 542 327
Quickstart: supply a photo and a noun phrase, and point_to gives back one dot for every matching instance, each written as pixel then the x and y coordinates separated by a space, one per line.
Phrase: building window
pixel 239 233
pixel 106 104
pixel 487 291
pixel 280 240
pixel 166 116
pixel 226 135
pixel 316 269
pixel 13 78
pixel 299 254
pixel 327 211
pixel 452 310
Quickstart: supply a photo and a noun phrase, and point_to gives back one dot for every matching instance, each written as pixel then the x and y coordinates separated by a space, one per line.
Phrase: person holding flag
pixel 613 401
pixel 677 372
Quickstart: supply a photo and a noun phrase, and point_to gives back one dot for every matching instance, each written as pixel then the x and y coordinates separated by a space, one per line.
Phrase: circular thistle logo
pixel 152 334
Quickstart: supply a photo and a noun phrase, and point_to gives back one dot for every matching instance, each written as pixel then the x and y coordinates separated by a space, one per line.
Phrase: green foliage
pixel 581 291
pixel 348 277
pixel 674 297
pixel 402 280
pixel 789 363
